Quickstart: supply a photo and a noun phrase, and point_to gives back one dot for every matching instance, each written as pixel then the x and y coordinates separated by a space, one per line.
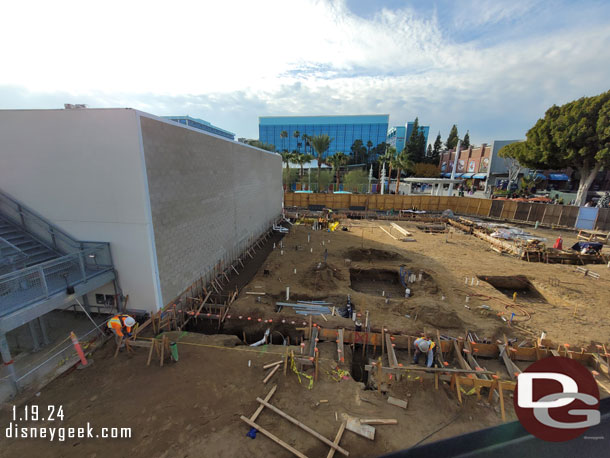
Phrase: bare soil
pixel 192 407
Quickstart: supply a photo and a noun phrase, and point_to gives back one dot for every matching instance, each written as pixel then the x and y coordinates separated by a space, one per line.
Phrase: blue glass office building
pixel 398 136
pixel 344 130
pixel 202 125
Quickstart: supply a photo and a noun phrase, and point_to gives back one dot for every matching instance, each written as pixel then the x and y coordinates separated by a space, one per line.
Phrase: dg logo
pixel 557 399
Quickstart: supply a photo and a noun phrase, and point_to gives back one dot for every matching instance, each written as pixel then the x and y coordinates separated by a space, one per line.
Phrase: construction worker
pixel 121 325
pixel 425 346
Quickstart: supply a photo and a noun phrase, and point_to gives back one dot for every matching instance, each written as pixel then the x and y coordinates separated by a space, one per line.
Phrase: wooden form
pixel 391 354
pixel 483 350
pixel 161 347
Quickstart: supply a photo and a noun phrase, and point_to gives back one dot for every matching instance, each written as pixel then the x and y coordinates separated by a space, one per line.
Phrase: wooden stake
pixel 273 371
pixel 153 345
pixel 501 393
pixel 267 366
pixel 332 451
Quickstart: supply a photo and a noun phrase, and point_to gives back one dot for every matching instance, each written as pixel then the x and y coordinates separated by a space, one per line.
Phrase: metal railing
pixel 37 226
pixel 26 286
pixel 81 261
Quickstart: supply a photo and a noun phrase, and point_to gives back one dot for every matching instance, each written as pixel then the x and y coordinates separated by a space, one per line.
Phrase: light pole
pixel 455 161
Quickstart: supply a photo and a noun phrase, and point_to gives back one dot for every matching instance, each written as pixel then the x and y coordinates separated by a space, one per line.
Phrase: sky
pixel 490 66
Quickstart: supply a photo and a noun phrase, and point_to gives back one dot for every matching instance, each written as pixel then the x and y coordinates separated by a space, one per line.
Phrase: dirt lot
pixel 570 308
pixel 192 408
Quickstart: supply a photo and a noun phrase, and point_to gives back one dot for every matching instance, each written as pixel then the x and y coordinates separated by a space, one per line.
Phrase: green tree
pixel 400 162
pixel 357 179
pixel 284 136
pixel 259 144
pixel 466 141
pixel 425 170
pixel 575 135
pixel 511 153
pixel 320 144
pixel 337 160
pixel 296 134
pixel 305 139
pixel 415 148
pixel 301 160
pixel 369 145
pixel 287 158
pixel 386 158
pixel 436 150
pixel 429 152
pixel 452 139
pixel 358 149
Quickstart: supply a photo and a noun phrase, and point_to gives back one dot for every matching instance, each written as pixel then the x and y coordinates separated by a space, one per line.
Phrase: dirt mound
pixel 321 275
pixel 439 317
pixel 371 254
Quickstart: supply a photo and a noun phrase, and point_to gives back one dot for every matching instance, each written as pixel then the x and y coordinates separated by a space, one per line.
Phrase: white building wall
pixel 84 171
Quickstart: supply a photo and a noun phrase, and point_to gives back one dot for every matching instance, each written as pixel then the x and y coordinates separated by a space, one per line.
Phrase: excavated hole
pixel 376 281
pixel 520 284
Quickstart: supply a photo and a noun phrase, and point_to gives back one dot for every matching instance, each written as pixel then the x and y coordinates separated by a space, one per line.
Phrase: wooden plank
pixel 439 352
pixel 390 349
pixel 511 367
pixel 304 427
pixel 461 361
pixel 271 373
pixel 338 437
pixel 378 421
pixel 397 402
pixel 260 408
pixel 267 366
pixel 402 370
pixel 354 426
pixel 275 439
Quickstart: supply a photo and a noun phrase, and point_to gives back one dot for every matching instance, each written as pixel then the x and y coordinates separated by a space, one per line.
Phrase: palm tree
pixel 320 144
pixel 287 158
pixel 369 145
pixel 389 155
pixel 305 139
pixel 337 160
pixel 283 136
pixel 296 134
pixel 403 162
pixel 303 159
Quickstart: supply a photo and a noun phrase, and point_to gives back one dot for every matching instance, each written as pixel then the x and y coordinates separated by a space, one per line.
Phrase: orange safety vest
pixel 117 323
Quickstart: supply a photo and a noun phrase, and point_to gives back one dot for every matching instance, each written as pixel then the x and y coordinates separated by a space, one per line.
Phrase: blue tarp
pixel 558 177
pixel 480 176
pixel 467 175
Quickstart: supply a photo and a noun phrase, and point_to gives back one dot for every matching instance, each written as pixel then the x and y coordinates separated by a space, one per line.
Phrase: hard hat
pixel 423 346
pixel 129 322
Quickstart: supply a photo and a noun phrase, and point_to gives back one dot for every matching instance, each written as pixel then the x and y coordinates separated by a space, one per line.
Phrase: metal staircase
pixel 41 266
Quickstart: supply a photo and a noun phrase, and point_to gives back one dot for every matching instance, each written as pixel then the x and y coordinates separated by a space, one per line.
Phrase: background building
pixel 202 125
pixel 482 163
pixel 344 130
pixel 398 136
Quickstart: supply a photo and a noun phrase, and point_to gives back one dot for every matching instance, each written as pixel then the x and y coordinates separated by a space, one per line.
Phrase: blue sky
pixel 490 66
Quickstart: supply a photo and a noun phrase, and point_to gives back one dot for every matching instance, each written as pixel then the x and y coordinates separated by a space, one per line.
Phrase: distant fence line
pixel 546 214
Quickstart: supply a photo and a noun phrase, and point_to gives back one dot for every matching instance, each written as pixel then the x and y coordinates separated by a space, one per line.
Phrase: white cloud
pixel 232 61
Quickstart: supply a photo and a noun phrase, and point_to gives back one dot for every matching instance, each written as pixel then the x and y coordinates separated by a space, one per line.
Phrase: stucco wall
pixel 207 196
pixel 83 170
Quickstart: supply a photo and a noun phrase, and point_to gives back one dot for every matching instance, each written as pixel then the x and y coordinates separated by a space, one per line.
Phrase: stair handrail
pixel 23 216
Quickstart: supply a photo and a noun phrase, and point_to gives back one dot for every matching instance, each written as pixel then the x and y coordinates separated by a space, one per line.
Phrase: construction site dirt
pixel 193 407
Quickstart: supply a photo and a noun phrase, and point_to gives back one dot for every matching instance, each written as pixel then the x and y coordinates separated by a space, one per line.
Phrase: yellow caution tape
pixel 293 366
